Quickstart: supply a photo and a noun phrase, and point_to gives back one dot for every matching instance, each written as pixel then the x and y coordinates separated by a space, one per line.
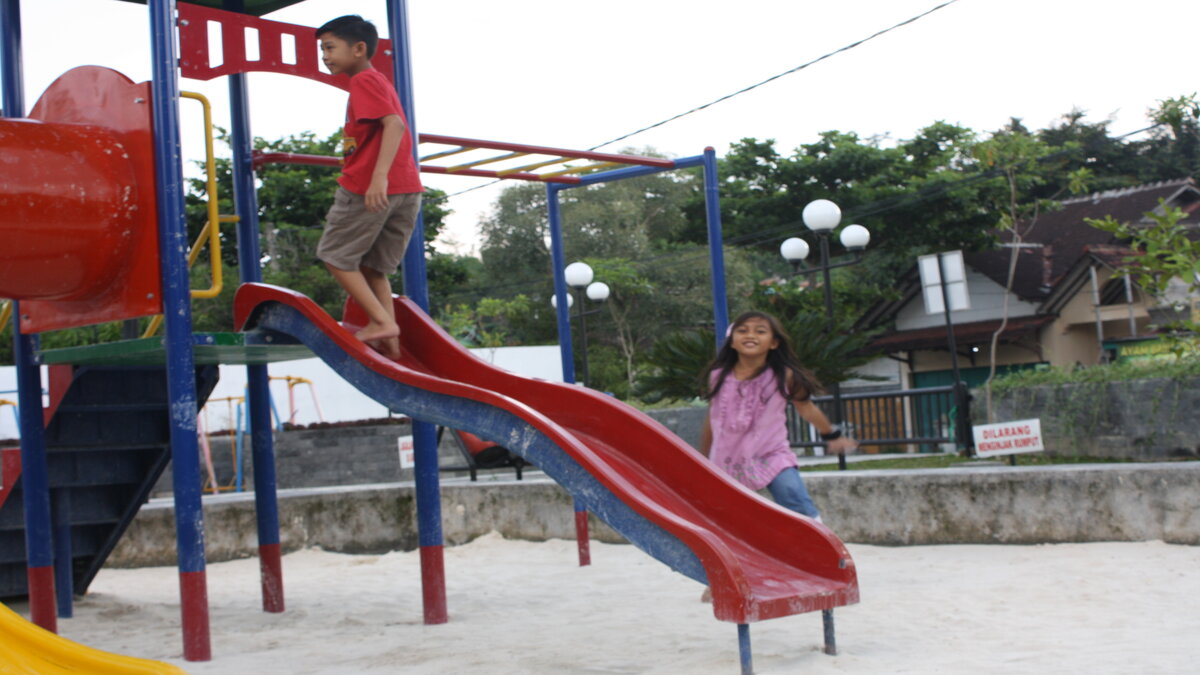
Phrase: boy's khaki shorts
pixel 355 237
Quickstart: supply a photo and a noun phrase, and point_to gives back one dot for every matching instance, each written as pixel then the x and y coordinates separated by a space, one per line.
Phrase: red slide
pixel 761 560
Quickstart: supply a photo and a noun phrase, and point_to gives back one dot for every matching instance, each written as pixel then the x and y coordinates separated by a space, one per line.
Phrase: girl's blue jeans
pixel 788 491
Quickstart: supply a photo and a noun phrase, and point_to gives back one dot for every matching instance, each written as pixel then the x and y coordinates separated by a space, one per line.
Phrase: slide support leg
pixel 582 538
pixel 744 649
pixel 830 640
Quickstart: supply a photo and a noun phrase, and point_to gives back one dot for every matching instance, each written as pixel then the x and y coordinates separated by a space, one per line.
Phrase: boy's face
pixel 341 56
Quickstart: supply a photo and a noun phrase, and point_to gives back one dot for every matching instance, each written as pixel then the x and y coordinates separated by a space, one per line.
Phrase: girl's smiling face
pixel 753 337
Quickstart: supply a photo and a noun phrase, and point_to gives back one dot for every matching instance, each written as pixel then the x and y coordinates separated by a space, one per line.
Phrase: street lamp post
pixel 579 276
pixel 822 217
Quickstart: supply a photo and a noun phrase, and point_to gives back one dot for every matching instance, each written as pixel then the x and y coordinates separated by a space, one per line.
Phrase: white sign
pixel 951 262
pixel 406 451
pixel 1008 438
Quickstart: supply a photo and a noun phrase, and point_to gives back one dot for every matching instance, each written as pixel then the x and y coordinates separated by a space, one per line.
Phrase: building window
pixel 1113 292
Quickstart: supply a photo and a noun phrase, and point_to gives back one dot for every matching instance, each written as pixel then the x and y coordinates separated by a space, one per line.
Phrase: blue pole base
pixel 744 649
pixel 830 640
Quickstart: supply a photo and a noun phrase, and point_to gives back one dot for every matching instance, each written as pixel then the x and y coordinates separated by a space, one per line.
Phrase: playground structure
pixel 127 258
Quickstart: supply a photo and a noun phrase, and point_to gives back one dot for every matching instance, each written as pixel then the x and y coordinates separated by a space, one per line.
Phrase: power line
pixel 776 77
pixel 745 89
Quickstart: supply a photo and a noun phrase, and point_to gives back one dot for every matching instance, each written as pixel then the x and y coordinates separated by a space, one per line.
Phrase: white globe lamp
pixel 821 215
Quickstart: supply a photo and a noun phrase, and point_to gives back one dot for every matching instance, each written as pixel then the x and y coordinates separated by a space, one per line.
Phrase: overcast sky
pixel 574 74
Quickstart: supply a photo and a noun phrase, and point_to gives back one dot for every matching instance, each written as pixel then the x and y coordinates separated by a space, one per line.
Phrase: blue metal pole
pixel 258 392
pixel 744 653
pixel 240 430
pixel 180 366
pixel 35 480
pixel 428 490
pixel 64 582
pixel 633 172
pixel 716 254
pixel 830 638
pixel 558 263
pixel 13 100
pixel 712 212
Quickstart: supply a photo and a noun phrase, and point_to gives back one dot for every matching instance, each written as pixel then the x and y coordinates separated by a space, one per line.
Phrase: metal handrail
pixel 211 232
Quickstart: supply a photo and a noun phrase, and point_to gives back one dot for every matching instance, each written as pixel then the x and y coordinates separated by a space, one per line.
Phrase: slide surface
pixel 26 648
pixel 761 560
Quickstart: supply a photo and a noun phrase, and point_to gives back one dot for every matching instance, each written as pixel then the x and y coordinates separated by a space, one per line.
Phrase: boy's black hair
pixel 353 29
pixel 782 360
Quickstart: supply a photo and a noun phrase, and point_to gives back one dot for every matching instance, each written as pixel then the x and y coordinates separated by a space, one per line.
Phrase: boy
pixel 375 209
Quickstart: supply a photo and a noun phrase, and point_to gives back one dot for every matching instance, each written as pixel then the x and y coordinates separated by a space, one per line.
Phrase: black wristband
pixel 833 435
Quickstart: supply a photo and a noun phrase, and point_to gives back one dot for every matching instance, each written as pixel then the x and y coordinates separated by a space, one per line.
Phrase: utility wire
pixel 776 77
pixel 745 89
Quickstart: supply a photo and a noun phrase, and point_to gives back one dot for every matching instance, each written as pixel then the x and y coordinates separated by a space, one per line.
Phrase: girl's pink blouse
pixel 749 429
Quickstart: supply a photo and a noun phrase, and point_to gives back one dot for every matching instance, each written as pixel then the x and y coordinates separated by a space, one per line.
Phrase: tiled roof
pixel 1060 238
pixel 964 334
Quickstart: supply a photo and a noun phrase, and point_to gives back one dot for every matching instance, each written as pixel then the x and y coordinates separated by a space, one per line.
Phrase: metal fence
pixel 922 420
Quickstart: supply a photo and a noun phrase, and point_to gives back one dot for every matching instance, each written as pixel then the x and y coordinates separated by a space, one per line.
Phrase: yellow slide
pixel 27 649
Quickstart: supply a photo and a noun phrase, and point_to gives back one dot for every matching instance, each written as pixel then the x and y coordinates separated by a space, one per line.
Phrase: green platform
pixel 210 349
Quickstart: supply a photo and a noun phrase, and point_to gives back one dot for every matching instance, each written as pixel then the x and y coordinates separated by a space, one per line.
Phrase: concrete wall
pixel 304 458
pixel 979 505
pixel 1139 419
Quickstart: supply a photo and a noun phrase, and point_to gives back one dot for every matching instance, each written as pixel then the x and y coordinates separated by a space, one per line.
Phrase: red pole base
pixel 270 564
pixel 43 609
pixel 581 538
pixel 193 594
pixel 433 585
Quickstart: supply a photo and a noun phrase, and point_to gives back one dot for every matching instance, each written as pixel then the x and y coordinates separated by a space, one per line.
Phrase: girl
pixel 749 385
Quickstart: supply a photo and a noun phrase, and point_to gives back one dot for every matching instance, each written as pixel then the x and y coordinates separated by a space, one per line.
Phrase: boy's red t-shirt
pixel 371 99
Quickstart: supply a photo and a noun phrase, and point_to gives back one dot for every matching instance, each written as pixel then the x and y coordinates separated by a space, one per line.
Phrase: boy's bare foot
pixel 706 596
pixel 378 331
pixel 389 347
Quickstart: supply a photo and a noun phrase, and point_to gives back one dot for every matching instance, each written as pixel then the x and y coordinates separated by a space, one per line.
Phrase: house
pixel 1066 305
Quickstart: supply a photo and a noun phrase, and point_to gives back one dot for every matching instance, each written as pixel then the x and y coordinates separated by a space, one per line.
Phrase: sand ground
pixel 523 607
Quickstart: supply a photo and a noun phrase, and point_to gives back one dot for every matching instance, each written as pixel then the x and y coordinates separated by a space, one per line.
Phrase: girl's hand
pixel 841 445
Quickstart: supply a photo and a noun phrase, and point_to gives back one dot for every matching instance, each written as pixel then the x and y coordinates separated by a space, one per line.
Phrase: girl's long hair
pixel 782 360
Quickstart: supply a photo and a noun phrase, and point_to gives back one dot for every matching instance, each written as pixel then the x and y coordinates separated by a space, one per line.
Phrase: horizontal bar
pixel 922 440
pixel 579 169
pixel 530 167
pixel 483 173
pixel 261 158
pixel 621 174
pixel 324 160
pixel 445 153
pixel 543 150
pixel 489 160
pixel 907 393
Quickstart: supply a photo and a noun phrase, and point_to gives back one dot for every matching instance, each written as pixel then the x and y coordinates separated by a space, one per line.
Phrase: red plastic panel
pixel 72 182
pixel 77 212
pixel 269 37
pixel 10 471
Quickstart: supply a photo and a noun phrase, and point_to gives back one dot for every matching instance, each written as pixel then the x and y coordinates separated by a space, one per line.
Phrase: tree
pixel 1166 259
pixel 1015 153
pixel 1173 149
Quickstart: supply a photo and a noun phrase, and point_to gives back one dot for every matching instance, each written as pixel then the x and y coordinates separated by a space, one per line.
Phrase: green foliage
pixel 1115 372
pixel 678 363
pixel 1173 149
pixel 491 323
pixel 1165 255
pixel 832 356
